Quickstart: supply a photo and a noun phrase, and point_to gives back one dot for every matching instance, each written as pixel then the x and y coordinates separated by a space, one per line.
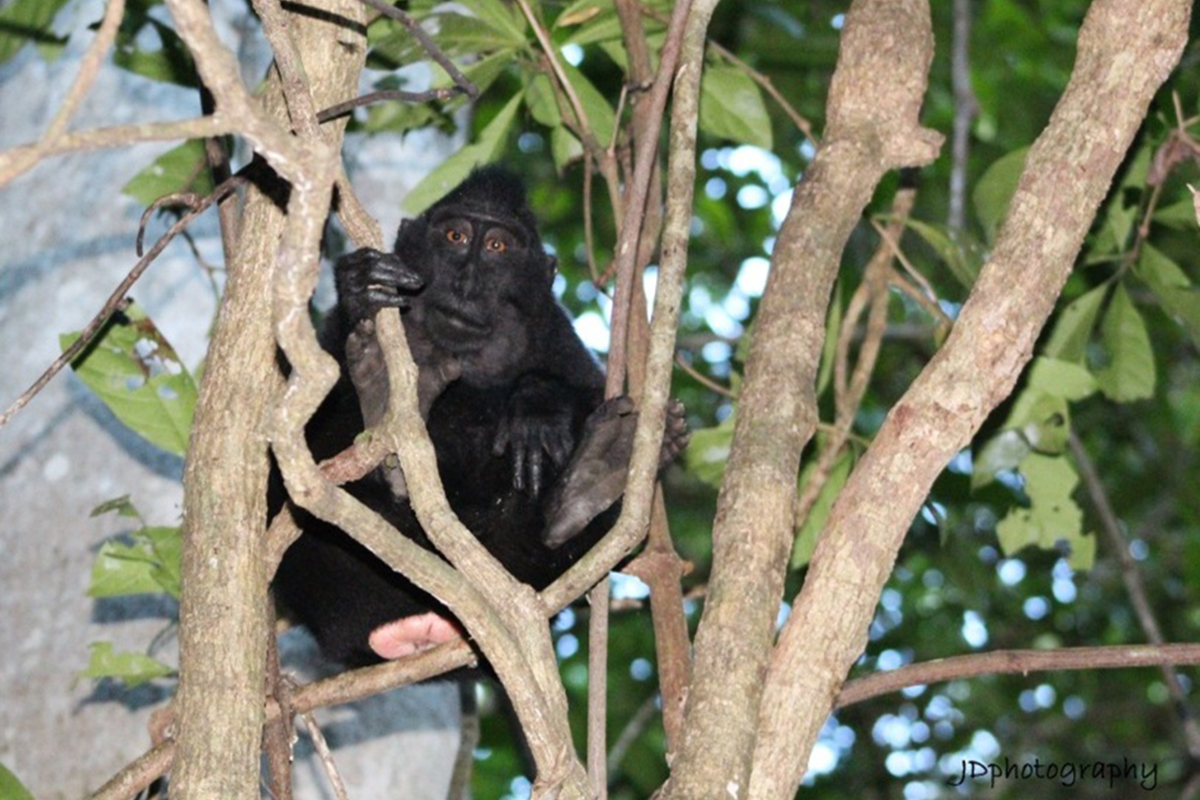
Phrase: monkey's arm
pixel 368 373
pixel 368 281
pixel 595 477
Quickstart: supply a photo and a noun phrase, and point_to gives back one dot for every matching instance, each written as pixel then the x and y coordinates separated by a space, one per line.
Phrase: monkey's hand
pixel 595 478
pixel 369 280
pixel 535 432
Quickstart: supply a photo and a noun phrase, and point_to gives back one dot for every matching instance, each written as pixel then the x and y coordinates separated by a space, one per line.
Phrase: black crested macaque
pixel 531 456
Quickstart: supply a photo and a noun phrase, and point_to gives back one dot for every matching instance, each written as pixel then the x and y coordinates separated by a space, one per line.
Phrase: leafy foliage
pixel 133 368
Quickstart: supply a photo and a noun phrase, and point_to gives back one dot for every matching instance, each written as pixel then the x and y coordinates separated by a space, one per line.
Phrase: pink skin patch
pixel 411 635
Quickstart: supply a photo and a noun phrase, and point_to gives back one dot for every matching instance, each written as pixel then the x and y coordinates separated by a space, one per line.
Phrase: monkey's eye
pixel 496 245
pixel 455 236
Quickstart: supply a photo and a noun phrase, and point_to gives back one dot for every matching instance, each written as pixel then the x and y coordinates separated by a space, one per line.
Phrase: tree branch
pixel 1066 176
pixel 1010 662
pixel 873 110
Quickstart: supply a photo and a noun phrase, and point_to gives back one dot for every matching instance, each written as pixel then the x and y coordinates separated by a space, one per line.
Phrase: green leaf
pixel 564 147
pixel 483 73
pixel 1180 216
pixel 995 189
pixel 1073 329
pixel 708 452
pixel 1063 379
pixel 1130 374
pixel 181 169
pixel 1120 213
pixel 539 99
pixel 806 538
pixel 1175 293
pixel 1002 452
pixel 150 565
pixel 833 328
pixel 1038 422
pixel 170 63
pixel 133 669
pixel 138 375
pixel 10 787
pixel 599 113
pixel 121 505
pixel 1042 418
pixel 732 107
pixel 582 11
pixel 963 256
pixel 453 170
pixel 28 21
pixel 500 16
pixel 1052 515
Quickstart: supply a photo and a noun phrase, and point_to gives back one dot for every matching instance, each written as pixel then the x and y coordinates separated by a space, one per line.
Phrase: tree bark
pixel 1126 50
pixel 223 626
pixel 875 99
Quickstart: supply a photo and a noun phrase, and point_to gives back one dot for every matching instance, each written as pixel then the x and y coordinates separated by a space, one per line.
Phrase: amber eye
pixel 496 246
pixel 456 236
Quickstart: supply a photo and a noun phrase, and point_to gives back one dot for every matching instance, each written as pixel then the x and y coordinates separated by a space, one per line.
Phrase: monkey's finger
pixel 384 296
pixel 503 436
pixel 558 446
pixel 535 471
pixel 518 463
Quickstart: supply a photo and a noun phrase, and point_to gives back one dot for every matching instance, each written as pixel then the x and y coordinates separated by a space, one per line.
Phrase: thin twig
pixel 701 378
pixel 589 236
pixel 966 108
pixel 1132 578
pixel 89 67
pixel 632 730
pixel 798 119
pixel 384 95
pixel 428 44
pixel 23 158
pixel 597 707
pixel 326 756
pixel 278 733
pixel 1009 662
pixel 114 301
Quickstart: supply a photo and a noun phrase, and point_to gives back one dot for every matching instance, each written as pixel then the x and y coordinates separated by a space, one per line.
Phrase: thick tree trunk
pixel 1126 50
pixel 223 611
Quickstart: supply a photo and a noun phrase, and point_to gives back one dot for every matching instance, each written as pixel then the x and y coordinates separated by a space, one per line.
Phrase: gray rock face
pixel 69 240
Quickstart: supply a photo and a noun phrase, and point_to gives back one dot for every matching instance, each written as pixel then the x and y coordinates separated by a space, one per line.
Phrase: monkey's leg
pixel 595 477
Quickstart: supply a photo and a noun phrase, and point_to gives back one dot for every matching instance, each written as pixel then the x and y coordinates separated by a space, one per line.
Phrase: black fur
pixel 508 389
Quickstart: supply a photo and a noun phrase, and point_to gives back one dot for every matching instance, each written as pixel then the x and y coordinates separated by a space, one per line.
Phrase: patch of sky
pixel 1035 608
pixel 962 463
pixel 572 54
pixel 563 621
pixel 974 631
pixel 628 587
pixel 716 352
pixel 752 276
pixel 1139 549
pixel 785 611
pixel 519 789
pixel 567 645
pixel 1011 571
pixel 530 142
pixel 593 330
pixel 640 669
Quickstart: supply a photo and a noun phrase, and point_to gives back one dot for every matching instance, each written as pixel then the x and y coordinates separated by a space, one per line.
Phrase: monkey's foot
pixel 412 635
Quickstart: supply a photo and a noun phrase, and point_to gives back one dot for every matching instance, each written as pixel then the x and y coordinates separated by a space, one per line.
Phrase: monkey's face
pixel 486 285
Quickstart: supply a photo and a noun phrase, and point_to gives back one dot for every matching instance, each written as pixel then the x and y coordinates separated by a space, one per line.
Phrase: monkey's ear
pixel 551 266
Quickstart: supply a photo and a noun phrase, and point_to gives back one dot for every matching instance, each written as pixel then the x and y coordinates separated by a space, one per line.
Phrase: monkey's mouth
pixel 461 322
